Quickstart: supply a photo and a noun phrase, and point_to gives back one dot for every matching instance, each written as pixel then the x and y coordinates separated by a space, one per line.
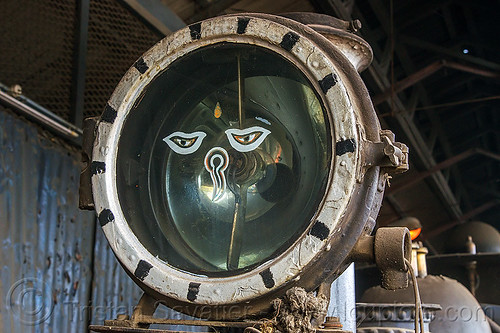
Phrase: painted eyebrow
pixel 246 131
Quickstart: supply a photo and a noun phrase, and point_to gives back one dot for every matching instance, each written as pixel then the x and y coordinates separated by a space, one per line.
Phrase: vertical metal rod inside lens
pixel 233 256
pixel 241 92
pixel 240 195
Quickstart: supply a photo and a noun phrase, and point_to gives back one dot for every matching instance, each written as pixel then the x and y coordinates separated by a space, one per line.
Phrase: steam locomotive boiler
pixel 241 157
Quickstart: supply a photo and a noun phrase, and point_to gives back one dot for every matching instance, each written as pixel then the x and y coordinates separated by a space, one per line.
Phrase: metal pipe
pixel 236 242
pixel 422 262
pixel 80 64
pixel 40 114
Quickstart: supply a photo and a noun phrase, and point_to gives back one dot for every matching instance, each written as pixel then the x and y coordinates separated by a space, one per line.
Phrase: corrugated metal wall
pixel 114 293
pixel 57 272
pixel 46 251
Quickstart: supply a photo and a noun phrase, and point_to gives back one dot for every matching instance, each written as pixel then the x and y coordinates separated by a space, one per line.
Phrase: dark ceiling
pixel 440 67
pixel 435 82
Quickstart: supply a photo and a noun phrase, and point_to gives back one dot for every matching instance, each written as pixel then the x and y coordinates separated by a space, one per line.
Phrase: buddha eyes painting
pixel 216 159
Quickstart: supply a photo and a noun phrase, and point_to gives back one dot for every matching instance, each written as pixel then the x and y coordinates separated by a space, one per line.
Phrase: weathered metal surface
pixel 390 155
pixel 341 34
pixel 114 293
pixel 389 249
pixel 46 241
pixel 114 329
pixel 52 277
pixel 343 301
pixel 86 202
pixel 392 247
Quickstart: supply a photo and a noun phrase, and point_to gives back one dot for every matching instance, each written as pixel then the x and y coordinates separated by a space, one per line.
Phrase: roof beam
pixel 467 216
pixel 488 189
pixel 417 11
pixel 415 78
pixel 472 136
pixel 428 70
pixel 441 182
pixel 448 20
pixel 449 52
pixel 455 81
pixel 415 138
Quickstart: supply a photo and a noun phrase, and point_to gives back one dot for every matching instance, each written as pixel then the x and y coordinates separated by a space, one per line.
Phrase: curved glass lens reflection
pixel 252 182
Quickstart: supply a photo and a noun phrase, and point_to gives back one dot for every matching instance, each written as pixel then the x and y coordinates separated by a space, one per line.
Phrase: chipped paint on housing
pixel 294 267
pixel 241 290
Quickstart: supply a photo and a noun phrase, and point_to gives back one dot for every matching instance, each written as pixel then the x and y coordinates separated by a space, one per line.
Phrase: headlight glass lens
pixel 224 159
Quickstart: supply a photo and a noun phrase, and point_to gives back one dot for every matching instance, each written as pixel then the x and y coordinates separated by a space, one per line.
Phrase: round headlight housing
pixel 230 164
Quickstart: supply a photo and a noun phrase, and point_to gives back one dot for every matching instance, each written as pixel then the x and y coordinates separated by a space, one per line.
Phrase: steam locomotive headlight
pixel 228 164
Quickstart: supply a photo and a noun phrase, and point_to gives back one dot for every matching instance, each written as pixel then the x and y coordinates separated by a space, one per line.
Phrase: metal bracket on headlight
pixel 86 201
pixel 388 249
pixel 392 156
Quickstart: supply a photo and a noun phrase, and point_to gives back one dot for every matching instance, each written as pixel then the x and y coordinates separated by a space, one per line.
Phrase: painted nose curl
pixel 216 162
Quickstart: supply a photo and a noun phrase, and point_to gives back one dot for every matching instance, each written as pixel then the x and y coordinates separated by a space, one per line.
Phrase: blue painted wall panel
pixel 46 251
pixel 57 272
pixel 114 293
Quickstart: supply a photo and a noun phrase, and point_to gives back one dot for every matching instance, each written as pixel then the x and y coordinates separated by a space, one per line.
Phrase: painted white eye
pixel 245 140
pixel 185 143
